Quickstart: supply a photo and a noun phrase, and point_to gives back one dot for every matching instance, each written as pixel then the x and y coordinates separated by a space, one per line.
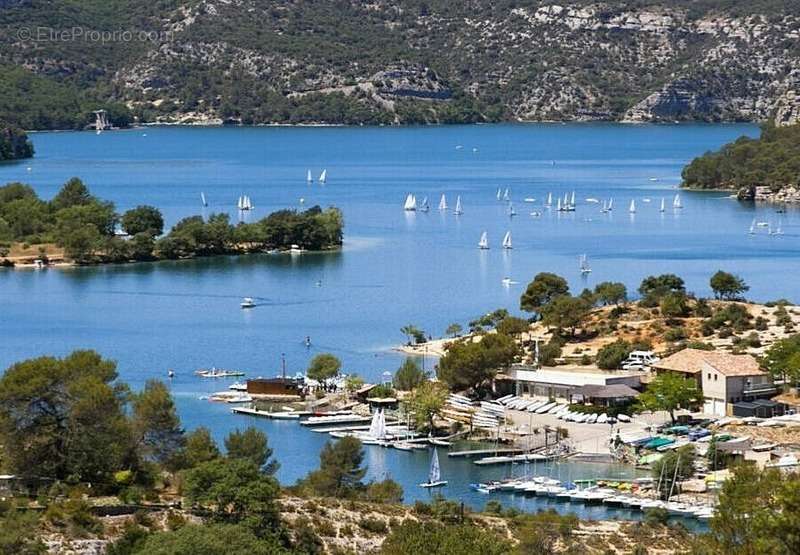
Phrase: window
pixel 709 375
pixel 715 377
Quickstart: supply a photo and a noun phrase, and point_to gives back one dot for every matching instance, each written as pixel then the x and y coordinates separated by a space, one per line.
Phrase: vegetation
pixel 471 364
pixel 673 467
pixel 85 227
pixel 773 160
pixel 610 357
pixel 324 367
pixel 409 375
pixel 654 289
pixel 728 286
pixel 544 288
pixel 443 539
pixel 609 292
pixel 782 359
pixel 670 391
pixel 14 144
pixel 427 402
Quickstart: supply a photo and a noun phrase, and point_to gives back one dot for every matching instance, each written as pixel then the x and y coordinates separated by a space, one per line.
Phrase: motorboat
pixel 247 302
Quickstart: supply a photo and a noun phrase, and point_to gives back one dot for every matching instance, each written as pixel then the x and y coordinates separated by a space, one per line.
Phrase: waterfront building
pixel 561 382
pixel 724 378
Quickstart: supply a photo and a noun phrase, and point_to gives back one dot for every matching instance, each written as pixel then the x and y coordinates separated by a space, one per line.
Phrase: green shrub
pixel 610 356
pixel 374 525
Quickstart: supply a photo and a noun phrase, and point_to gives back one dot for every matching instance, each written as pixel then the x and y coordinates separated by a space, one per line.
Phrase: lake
pixel 395 268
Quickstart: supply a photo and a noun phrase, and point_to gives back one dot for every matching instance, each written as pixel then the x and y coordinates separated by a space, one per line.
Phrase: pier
pixel 485 452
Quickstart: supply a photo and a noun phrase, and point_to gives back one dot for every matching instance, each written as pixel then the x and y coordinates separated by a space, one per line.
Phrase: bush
pixel 610 356
pixel 675 334
pixel 374 525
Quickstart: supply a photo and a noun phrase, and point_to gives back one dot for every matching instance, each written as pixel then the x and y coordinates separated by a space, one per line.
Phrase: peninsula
pixel 766 168
pixel 76 227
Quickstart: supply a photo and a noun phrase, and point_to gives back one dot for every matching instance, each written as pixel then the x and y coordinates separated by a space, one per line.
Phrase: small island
pixel 75 227
pixel 765 169
pixel 14 143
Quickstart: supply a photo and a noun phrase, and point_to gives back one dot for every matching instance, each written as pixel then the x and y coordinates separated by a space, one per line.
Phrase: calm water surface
pixel 396 267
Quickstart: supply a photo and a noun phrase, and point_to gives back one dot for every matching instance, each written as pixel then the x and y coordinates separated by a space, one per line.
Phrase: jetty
pixel 486 452
pixel 277 415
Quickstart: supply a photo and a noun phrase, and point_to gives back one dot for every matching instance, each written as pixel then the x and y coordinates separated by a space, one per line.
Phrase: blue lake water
pixel 396 267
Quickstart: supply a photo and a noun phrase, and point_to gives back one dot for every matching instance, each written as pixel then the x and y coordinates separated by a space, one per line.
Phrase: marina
pixel 340 298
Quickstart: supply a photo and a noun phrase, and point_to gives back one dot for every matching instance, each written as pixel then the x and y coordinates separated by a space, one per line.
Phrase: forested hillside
pixel 399 61
pixel 772 160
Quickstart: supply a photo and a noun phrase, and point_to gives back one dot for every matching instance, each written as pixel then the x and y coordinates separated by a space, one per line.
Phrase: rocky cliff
pixel 382 61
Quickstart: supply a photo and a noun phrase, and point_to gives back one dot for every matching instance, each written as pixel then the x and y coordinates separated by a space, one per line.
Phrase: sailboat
pixel 244 203
pixel 434 475
pixel 611 205
pixel 505 195
pixel 584 265
pixel 507 241
pixel 572 201
pixel 323 177
pixel 411 203
pixel 753 227
pixel 662 205
pixel 632 209
pixel 443 203
pixel 511 211
pixel 424 207
pixel 483 244
pixel 309 179
pixel 558 205
pixel 203 199
pixel 458 211
pixel 549 199
pixel 676 202
pixel 499 194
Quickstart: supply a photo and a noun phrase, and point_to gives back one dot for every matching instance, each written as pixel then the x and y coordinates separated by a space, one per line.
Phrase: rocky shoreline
pixel 763 193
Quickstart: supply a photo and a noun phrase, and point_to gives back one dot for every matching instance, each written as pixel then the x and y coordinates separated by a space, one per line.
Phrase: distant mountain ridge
pixel 399 61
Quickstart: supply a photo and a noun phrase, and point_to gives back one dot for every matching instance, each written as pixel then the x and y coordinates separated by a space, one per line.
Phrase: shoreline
pixel 215 124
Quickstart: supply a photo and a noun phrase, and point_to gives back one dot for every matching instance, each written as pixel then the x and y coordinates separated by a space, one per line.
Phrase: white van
pixel 639 360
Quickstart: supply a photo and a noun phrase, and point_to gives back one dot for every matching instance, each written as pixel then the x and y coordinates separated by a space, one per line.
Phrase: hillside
pixel 770 163
pixel 405 61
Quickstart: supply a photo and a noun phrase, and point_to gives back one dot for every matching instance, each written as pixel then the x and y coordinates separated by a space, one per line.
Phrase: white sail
pixel 572 200
pixel 443 203
pixel 632 209
pixel 373 426
pixel 424 206
pixel 203 199
pixel 308 177
pixel 381 425
pixel 511 211
pixel 484 242
pixel 323 176
pixel 611 204
pixel 753 227
pixel 411 203
pixel 507 240
pixel 499 194
pixel 584 265
pixel 434 474
pixel 558 205
pixel 662 205
pixel 240 203
pixel 676 202
pixel 458 209
pixel 505 195
pixel 549 199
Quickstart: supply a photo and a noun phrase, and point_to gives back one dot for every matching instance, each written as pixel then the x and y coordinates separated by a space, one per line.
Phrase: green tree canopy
pixel 434 538
pixel 409 375
pixel 673 467
pixel 565 312
pixel 453 330
pixel 251 445
pixel 427 402
pixel 670 391
pixel 68 415
pixel 211 539
pixel 542 290
pixel 199 447
pixel 156 423
pixel 782 359
pixel 611 292
pixel 513 326
pixel 654 288
pixel 340 471
pixel 469 364
pixel 73 193
pixel 610 357
pixel 323 367
pixel 727 286
pixel 143 219
pixel 236 492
